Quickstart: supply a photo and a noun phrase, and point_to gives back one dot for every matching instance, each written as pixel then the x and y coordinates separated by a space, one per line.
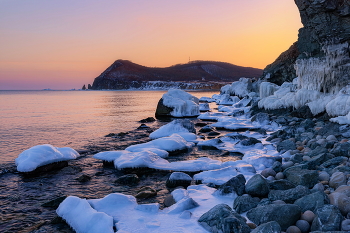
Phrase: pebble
pixel 344 140
pixel 308 216
pixel 268 172
pixel 271 178
pixel 300 148
pixel 306 158
pixel 251 225
pixel 278 202
pixel 337 179
pixel 279 176
pixel 323 176
pixel 293 229
pixel 287 165
pixel 331 138
pixel 303 225
pixel 319 187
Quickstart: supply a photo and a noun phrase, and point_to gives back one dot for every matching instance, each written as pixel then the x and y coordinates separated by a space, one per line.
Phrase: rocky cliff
pixel 124 74
pixel 321 54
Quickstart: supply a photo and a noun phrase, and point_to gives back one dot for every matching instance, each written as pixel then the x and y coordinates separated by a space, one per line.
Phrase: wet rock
pixel 84 178
pixel 206 129
pixel 244 203
pixel 286 145
pixel 337 179
pixel 300 176
pixel 289 195
pixel 328 218
pixel 46 168
pixel 261 117
pixel 129 179
pixel 143 126
pixel 257 186
pixel 249 141
pixel 147 120
pixel 312 201
pixel 178 179
pixel 221 218
pixel 281 184
pixel 55 202
pixel 341 149
pixel 269 227
pixel 285 215
pixel 234 185
pixel 146 192
pixel 213 133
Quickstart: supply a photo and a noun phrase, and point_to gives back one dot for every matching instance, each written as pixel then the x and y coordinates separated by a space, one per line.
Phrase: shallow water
pixel 70 118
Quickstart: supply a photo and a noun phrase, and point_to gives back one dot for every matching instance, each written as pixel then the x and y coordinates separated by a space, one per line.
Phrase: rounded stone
pixel 345 225
pixel 270 178
pixel 268 172
pixel 300 148
pixel 303 225
pixel 308 216
pixel 319 187
pixel 331 138
pixel 337 179
pixel 279 176
pixel 287 165
pixel 306 158
pixel 293 229
pixel 323 176
pixel 344 140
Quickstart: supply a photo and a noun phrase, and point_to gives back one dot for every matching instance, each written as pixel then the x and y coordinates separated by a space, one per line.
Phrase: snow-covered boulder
pixel 177 103
pixel 41 155
pixel 83 218
pixel 266 89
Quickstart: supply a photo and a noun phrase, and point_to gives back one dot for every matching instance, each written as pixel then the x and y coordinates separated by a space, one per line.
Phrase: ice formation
pixel 239 88
pixel 183 103
pixel 40 155
pixel 176 126
pixel 204 107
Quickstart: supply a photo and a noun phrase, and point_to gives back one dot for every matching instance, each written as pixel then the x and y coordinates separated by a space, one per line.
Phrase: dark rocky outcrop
pixel 124 74
pixel 326 23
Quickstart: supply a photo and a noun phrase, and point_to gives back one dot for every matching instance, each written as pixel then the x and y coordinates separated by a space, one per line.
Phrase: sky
pixel 63 44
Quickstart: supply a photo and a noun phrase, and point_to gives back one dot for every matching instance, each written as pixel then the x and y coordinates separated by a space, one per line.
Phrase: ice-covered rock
pixel 204 107
pixel 178 103
pixel 172 143
pixel 83 218
pixel 239 88
pixel 176 126
pixel 41 155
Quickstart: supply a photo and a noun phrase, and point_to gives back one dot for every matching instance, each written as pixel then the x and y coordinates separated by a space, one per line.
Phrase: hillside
pixel 123 74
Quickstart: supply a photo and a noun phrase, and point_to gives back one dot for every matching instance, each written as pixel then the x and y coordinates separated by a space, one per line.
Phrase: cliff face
pixel 321 54
pixel 124 74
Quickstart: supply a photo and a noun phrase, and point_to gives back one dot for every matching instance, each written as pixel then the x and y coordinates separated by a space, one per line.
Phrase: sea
pixel 70 118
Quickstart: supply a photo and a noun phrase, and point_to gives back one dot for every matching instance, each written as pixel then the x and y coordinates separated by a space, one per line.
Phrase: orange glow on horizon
pixel 68 44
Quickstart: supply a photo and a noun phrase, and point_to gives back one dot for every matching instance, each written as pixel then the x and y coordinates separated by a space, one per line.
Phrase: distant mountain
pixel 123 74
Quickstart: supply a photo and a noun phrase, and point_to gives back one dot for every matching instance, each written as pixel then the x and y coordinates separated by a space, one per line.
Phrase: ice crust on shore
pixel 41 155
pixel 183 103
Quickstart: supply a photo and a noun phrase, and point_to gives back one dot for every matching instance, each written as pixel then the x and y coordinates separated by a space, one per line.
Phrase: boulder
pixel 328 218
pixel 289 195
pixel 269 227
pixel 221 218
pixel 234 185
pixel 244 203
pixel 337 179
pixel 312 201
pixel 300 176
pixel 281 184
pixel 129 179
pixel 284 214
pixel 146 192
pixel 257 186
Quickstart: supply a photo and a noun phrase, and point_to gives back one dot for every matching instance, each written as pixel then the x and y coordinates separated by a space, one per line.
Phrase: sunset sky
pixel 63 44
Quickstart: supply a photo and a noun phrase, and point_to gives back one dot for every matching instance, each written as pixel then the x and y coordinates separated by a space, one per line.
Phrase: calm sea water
pixel 70 118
